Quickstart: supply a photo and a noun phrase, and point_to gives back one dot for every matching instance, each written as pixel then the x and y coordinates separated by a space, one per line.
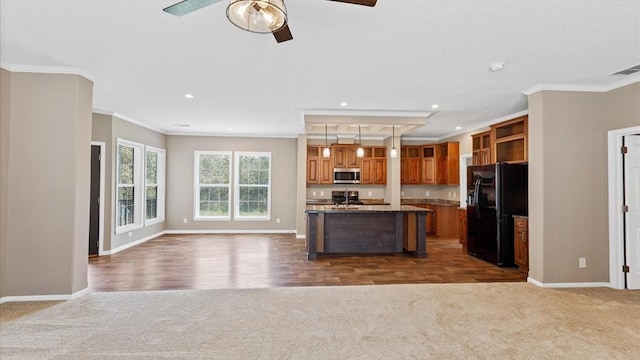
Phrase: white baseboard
pixel 229 232
pixel 43 297
pixel 567 285
pixel 133 243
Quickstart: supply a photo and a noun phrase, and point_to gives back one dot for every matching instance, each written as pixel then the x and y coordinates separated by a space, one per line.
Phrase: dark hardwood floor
pixel 177 262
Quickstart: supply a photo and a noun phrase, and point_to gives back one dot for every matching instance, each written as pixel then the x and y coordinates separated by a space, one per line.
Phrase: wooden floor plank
pixel 223 261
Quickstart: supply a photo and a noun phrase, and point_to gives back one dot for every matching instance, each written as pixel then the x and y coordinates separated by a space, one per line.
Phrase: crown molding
pixel 583 88
pixel 269 136
pixel 128 119
pixel 67 70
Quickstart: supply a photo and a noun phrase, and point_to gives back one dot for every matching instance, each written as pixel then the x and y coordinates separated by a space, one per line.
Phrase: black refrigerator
pixel 494 194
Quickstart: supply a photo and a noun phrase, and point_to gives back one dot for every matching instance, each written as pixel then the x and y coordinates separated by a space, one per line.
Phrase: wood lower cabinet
pixel 462 227
pixel 521 242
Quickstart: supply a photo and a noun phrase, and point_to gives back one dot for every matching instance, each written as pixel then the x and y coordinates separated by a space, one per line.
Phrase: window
pixel 129 186
pixel 154 185
pixel 212 185
pixel 253 186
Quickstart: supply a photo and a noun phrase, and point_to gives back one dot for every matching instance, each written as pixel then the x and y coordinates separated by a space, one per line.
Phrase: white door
pixel 632 200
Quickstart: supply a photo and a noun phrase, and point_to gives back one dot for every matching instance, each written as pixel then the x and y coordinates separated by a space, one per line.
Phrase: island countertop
pixel 364 208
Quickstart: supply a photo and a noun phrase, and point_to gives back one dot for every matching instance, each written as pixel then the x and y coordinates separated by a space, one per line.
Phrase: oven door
pixel 346 176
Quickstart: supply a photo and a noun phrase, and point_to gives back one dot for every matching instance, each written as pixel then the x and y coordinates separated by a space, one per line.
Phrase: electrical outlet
pixel 277 220
pixel 449 193
pixel 321 193
pixel 184 221
pixel 582 263
pixel 454 194
pixel 130 234
pixel 426 193
pixel 401 193
pixel 369 193
pixel 314 193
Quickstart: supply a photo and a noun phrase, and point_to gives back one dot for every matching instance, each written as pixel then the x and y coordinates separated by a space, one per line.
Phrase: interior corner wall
pixel 46 133
pixel 5 104
pixel 568 193
pixel 301 185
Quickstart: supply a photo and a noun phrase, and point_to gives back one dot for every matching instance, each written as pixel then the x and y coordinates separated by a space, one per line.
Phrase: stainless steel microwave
pixel 346 176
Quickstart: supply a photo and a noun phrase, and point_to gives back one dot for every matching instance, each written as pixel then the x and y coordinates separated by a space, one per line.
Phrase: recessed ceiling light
pixel 189 96
pixel 458 127
pixel 435 106
pixel 343 103
pixel 229 129
pixel 496 66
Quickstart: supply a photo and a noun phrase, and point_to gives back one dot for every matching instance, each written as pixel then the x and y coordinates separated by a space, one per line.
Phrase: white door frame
pixel 102 146
pixel 616 227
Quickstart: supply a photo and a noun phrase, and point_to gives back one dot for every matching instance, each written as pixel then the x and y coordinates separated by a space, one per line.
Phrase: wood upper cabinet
pixel 481 147
pixel 429 165
pixel 521 242
pixel 448 163
pixel 410 165
pixel 510 140
pixel 345 156
pixel 319 169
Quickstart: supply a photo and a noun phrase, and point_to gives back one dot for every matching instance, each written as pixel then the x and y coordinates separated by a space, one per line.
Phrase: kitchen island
pixel 365 229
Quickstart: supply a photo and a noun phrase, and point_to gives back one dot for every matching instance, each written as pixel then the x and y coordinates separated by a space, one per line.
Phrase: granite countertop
pixel 438 202
pixel 364 208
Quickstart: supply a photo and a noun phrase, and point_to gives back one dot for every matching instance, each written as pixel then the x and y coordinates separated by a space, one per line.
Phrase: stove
pixel 345 198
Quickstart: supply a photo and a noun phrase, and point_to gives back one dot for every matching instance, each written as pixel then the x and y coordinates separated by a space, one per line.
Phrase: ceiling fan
pixel 260 16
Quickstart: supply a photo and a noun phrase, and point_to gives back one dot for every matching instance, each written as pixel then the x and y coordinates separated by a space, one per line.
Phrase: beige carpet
pixel 431 321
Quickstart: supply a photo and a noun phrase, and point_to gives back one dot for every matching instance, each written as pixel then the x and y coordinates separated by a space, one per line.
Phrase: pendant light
pixel 360 151
pixel 393 153
pixel 326 152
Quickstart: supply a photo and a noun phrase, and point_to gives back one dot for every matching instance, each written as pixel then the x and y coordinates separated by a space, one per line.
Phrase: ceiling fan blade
pixel 358 2
pixel 187 6
pixel 283 34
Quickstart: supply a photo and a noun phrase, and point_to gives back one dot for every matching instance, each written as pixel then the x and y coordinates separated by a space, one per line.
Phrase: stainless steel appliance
pixel 345 197
pixel 346 176
pixel 495 193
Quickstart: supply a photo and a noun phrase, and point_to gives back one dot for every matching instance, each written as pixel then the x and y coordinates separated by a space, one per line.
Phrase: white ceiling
pixel 391 61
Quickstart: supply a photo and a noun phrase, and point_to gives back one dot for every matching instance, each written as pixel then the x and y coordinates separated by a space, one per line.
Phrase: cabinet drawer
pixel 521 223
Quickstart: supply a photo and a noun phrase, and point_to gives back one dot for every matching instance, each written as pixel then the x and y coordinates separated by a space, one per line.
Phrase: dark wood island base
pixel 377 229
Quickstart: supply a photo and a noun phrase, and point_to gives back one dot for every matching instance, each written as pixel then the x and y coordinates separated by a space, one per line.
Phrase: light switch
pixel 314 193
pixel 370 193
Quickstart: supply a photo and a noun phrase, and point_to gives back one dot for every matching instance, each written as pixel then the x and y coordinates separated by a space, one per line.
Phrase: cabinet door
pixel 353 161
pixel 339 156
pixel 442 170
pixel 366 171
pixel 428 171
pixel 325 173
pixel 521 247
pixel 485 157
pixel 312 170
pixel 380 171
pixel 414 171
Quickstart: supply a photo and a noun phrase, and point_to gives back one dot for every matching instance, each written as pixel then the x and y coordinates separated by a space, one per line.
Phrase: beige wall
pixel 109 129
pixel 568 180
pixel 5 103
pixel 180 181
pixel 46 133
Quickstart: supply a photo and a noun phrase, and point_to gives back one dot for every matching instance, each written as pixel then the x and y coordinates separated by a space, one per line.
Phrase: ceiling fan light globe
pixel 259 16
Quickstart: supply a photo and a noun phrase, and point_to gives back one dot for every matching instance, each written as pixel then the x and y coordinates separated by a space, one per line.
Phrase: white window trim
pixel 160 179
pixel 196 186
pixel 138 153
pixel 236 200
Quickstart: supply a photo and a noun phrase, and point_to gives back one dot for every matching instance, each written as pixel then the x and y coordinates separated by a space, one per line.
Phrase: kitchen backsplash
pixel 443 192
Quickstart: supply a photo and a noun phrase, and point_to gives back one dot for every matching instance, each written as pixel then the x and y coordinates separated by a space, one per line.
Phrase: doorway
pixel 96 207
pixel 624 190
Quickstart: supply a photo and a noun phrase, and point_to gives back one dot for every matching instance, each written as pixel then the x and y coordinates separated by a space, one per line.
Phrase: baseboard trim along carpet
pixel 568 285
pixel 32 298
